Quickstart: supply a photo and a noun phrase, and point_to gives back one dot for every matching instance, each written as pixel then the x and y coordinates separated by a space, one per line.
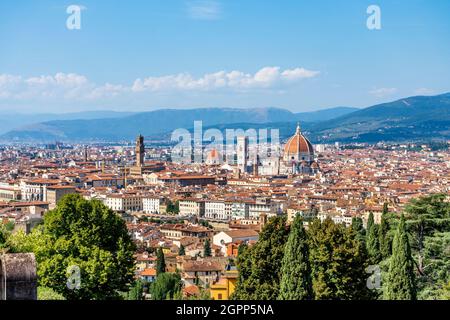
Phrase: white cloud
pixel 383 92
pixel 299 73
pixel 60 79
pixel 60 85
pixel 71 86
pixel 264 78
pixel 204 10
pixel 424 92
pixel 8 83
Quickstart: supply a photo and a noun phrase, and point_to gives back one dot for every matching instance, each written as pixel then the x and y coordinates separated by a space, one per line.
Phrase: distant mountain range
pixel 413 118
pixel 10 120
pixel 116 128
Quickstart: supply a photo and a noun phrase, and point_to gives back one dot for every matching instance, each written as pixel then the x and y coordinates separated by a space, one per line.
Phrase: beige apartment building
pixel 192 207
pixel 124 202
pixel 9 192
pixel 55 193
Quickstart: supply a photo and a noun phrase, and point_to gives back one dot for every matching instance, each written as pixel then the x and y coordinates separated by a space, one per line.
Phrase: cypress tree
pixel 372 241
pixel 207 249
pixel 182 251
pixel 357 226
pixel 385 208
pixel 370 223
pixel 296 282
pixel 384 240
pixel 401 279
pixel 136 291
pixel 166 286
pixel 161 263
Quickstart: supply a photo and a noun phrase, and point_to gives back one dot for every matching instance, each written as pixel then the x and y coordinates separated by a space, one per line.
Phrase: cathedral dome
pixel 297 144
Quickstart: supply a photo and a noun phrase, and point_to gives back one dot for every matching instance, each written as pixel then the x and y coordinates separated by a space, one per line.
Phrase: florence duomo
pixel 297 157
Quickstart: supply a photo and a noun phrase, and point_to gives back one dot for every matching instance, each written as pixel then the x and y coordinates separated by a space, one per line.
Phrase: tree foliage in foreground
pixel 357 226
pixel 384 237
pixel 81 235
pixel 338 262
pixel 136 291
pixel 166 286
pixel 426 216
pixel 296 283
pixel 260 265
pixel 401 283
pixel 44 293
pixel 373 240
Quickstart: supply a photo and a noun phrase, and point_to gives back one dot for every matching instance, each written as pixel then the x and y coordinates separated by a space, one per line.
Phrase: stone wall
pixel 18 279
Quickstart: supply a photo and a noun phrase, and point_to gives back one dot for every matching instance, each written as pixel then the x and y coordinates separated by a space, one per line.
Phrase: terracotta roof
pixel 298 143
pixel 191 290
pixel 60 187
pixel 241 233
pixel 149 272
pixel 202 266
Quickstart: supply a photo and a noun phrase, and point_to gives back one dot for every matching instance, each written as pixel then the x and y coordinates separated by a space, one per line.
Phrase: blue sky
pixel 149 54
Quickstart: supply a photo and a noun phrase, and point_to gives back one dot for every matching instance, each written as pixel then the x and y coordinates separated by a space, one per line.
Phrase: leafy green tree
pixel 166 286
pixel 178 295
pixel 86 236
pixel 21 242
pixel 182 251
pixel 433 284
pixel 204 295
pixel 9 226
pixel 373 241
pixel 173 208
pixel 44 293
pixel 63 241
pixel 205 223
pixel 5 232
pixel 338 262
pixel 445 292
pixel 3 237
pixel 401 279
pixel 260 265
pixel 241 248
pixel 160 262
pixel 296 283
pixel 425 216
pixel 383 234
